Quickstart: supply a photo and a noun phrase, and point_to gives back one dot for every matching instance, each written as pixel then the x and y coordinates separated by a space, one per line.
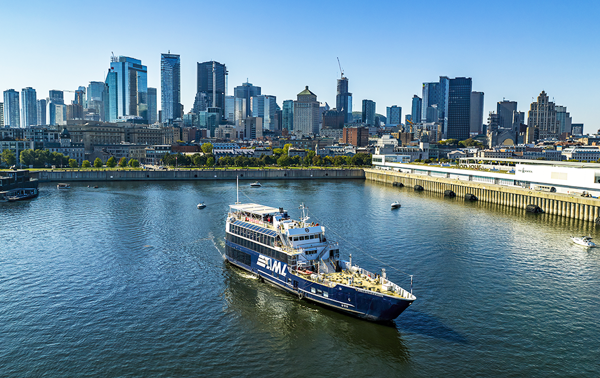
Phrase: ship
pixel 296 256
pixel 17 185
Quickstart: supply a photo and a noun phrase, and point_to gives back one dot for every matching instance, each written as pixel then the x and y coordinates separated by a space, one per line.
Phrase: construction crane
pixel 341 71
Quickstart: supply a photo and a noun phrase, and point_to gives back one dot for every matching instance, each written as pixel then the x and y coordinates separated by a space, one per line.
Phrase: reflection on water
pixel 129 280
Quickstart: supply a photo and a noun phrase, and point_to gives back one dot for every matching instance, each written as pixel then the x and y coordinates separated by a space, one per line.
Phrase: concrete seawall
pixel 197 174
pixel 569 206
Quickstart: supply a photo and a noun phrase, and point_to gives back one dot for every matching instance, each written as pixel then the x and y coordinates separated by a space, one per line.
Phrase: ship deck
pixel 359 281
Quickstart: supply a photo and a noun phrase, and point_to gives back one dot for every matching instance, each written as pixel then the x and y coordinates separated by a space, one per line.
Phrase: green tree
pixel 296 160
pixel 111 162
pixel 73 163
pixel 207 148
pixel 122 162
pixel 339 160
pixel 286 148
pixel 199 160
pixel 27 157
pixel 284 161
pixel 133 163
pixel 86 164
pixel 278 151
pixel 210 161
pixel 317 161
pixel 8 157
pixel 98 163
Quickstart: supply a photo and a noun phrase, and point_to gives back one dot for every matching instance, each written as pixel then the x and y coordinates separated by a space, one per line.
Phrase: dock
pixel 565 205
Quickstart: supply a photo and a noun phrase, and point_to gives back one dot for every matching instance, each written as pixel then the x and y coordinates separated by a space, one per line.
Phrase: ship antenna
pixel 237 189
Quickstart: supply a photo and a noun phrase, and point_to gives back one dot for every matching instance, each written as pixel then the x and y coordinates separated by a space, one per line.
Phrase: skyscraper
pixel 1 114
pixel 459 108
pixel 306 113
pixel 476 122
pixel 435 102
pixel 97 99
pixel 288 115
pixel 112 84
pixel 564 119
pixel 212 80
pixel 152 106
pixel 246 91
pixel 542 115
pixel 265 106
pixel 229 114
pixel 343 100
pixel 368 112
pixel 28 107
pixel 11 109
pixel 394 115
pixel 131 85
pixel 170 87
pixel 41 112
pixel 416 109
pixel 505 111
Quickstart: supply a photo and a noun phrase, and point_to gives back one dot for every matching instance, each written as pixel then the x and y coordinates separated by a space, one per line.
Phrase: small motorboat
pixel 255 184
pixel 585 241
pixel 396 205
pixel 63 186
pixel 201 205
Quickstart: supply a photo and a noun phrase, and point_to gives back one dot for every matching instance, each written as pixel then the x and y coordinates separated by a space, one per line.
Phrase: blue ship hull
pixel 350 300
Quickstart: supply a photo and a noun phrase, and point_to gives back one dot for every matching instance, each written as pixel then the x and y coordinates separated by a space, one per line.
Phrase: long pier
pixel 195 174
pixel 565 205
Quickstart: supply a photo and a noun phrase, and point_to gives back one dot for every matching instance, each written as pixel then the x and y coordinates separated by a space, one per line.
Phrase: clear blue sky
pixel 511 49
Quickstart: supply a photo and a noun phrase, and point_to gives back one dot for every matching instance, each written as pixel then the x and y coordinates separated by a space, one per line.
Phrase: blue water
pixel 129 280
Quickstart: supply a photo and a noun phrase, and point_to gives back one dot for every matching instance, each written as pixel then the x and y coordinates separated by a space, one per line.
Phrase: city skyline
pixel 389 79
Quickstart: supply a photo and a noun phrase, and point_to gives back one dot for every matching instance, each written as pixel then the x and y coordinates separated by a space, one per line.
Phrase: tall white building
pixel 306 113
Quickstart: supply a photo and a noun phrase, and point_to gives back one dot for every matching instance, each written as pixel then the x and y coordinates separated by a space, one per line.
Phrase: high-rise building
pixel 306 113
pixel 476 122
pixel 368 112
pixel 246 91
pixel 97 99
pixel 240 109
pixel 11 109
pixel 505 110
pixel 56 96
pixel 333 119
pixel 28 107
pixel 112 106
pixel 459 108
pixel 265 106
pixel 564 119
pixel 542 115
pixel 131 85
pixel 576 128
pixel 416 109
pixel 1 114
pixel 79 98
pixel 170 87
pixel 435 95
pixel 41 112
pixel 252 128
pixel 287 115
pixel 343 100
pixel 229 114
pixel 394 115
pixel 152 106
pixel 212 81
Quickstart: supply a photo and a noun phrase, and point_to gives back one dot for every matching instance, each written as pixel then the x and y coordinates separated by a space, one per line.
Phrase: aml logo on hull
pixel 271 264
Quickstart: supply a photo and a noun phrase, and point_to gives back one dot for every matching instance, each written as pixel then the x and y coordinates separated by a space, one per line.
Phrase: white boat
pixel 63 186
pixel 396 205
pixel 255 184
pixel 201 205
pixel 585 241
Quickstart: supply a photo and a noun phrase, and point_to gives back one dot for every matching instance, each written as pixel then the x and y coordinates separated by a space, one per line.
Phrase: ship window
pixel 295 238
pixel 312 290
pixel 301 237
pixel 326 294
pixel 291 238
pixel 319 291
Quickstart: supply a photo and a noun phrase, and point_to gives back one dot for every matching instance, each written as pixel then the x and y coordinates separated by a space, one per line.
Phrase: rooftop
pixel 254 208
